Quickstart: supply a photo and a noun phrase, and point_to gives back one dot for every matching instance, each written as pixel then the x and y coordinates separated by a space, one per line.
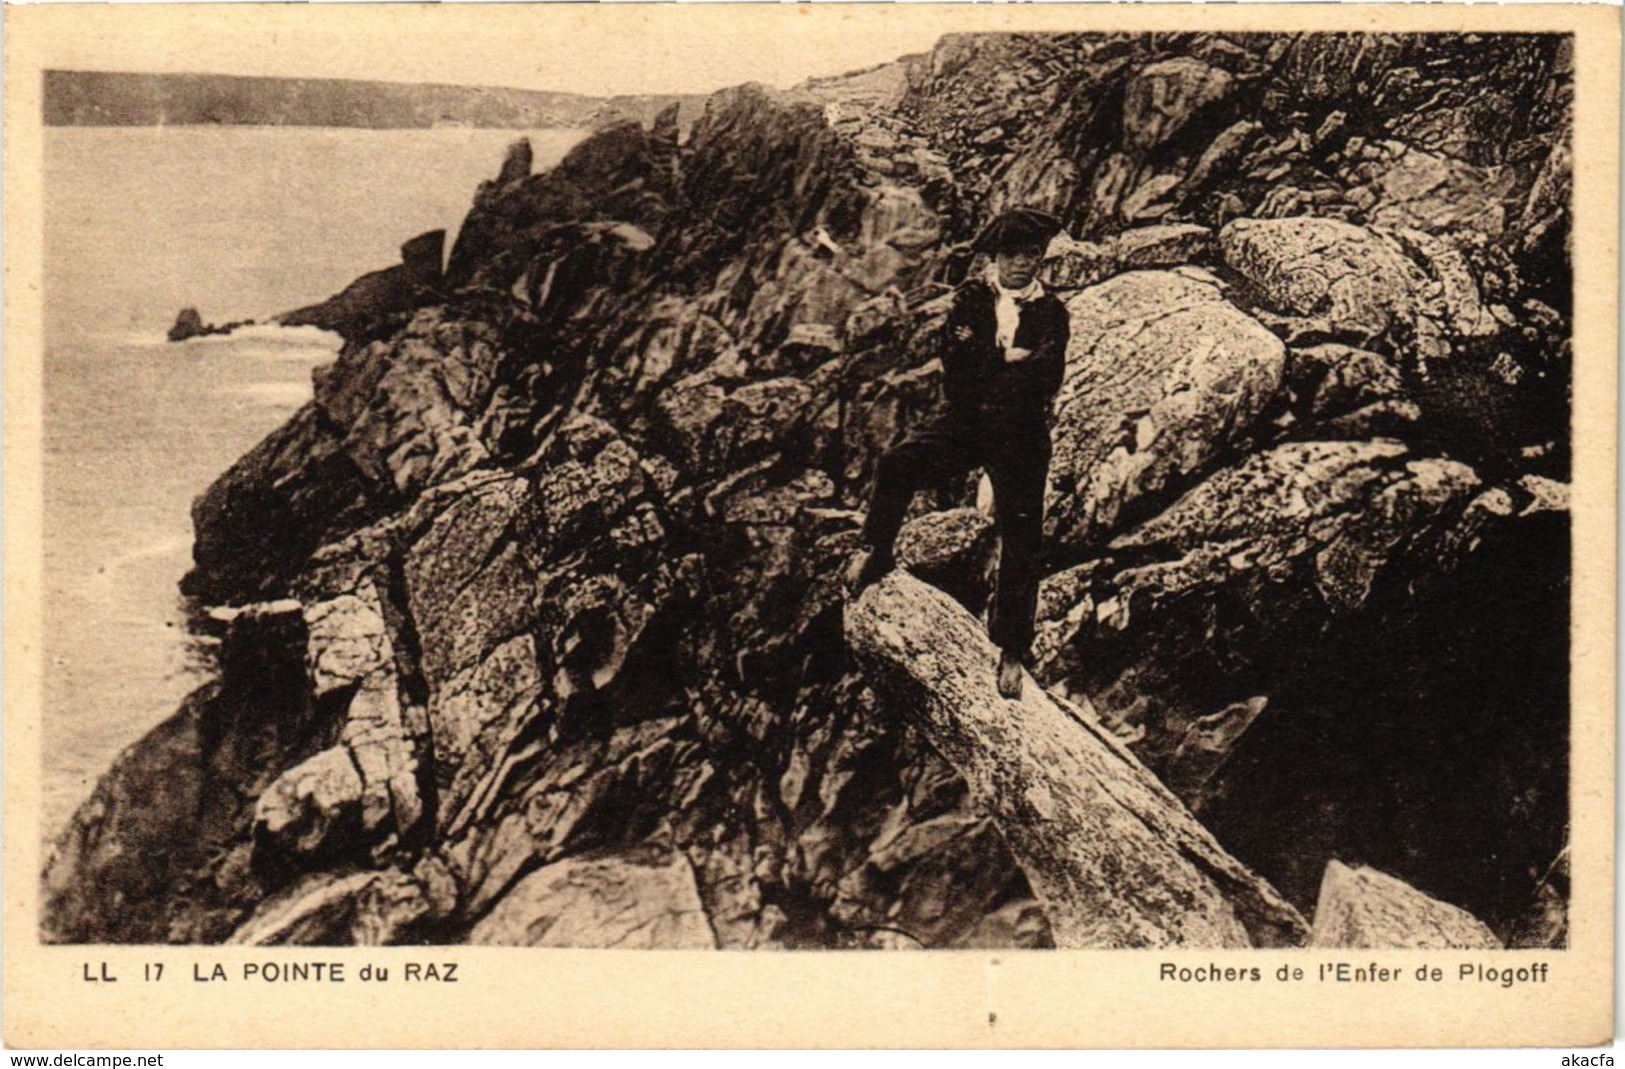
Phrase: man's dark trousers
pixel 1017 462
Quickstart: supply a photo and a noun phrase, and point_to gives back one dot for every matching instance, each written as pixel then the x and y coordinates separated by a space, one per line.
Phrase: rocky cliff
pixel 531 625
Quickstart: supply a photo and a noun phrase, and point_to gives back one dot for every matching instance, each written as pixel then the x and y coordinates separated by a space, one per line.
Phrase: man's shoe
pixel 1010 674
pixel 866 569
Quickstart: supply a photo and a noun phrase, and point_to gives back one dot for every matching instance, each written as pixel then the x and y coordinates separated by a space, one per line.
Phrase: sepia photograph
pixel 970 488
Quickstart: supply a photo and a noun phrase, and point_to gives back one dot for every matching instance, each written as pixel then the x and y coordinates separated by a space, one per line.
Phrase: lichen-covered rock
pixel 1545 923
pixel 1072 265
pixel 1337 67
pixel 1463 307
pixel 626 902
pixel 311 805
pixel 758 422
pixel 334 909
pixel 257 524
pixel 477 714
pixel 1359 282
pixel 928 879
pixel 1162 375
pixel 1163 97
pixel 1400 186
pixel 566 793
pixel 1361 908
pixel 1161 246
pixel 1221 154
pixel 565 524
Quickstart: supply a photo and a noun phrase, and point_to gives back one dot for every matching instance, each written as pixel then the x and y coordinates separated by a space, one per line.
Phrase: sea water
pixel 241 222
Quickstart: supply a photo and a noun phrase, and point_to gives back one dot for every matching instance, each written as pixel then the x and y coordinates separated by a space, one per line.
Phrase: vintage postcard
pixel 871 525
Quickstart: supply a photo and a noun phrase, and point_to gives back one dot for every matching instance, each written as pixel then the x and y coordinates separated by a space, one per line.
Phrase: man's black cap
pixel 1018 228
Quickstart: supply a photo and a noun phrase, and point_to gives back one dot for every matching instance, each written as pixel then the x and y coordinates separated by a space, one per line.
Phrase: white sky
pixel 610 48
pixel 595 50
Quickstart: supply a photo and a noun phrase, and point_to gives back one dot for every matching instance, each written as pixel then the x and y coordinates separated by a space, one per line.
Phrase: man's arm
pixel 962 361
pixel 1043 366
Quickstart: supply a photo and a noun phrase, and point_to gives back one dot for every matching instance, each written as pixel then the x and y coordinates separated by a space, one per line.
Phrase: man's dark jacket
pixel 982 390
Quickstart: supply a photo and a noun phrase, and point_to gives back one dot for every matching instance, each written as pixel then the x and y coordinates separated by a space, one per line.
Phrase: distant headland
pixel 111 98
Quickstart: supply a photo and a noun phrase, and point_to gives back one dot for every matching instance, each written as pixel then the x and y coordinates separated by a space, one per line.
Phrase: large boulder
pixel 417 423
pixel 1545 923
pixel 1360 282
pixel 1071 265
pixel 567 644
pixel 1163 374
pixel 364 306
pixel 1361 908
pixel 952 551
pixel 468 583
pixel 1546 207
pixel 1377 496
pixel 625 901
pixel 1334 68
pixel 1461 306
pixel 563 794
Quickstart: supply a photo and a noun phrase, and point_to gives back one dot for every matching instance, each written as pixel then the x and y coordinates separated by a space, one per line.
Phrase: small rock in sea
pixel 189 324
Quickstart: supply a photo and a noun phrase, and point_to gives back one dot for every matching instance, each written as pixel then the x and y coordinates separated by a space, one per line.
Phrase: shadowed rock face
pixel 536 608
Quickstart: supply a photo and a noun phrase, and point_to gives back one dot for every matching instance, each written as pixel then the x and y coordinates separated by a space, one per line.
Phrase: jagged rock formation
pixel 368 304
pixel 539 592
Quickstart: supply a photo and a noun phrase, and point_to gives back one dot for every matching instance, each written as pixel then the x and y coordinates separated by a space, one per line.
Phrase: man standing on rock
pixel 1003 355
